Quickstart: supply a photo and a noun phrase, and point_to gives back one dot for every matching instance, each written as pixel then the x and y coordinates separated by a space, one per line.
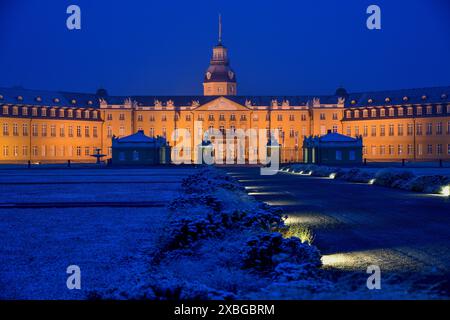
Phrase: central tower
pixel 220 79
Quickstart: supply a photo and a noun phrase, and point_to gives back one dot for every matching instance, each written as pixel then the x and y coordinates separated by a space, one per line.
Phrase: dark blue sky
pixel 276 47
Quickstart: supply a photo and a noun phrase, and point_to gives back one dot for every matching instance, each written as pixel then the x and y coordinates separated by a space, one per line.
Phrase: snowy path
pixel 105 221
pixel 357 224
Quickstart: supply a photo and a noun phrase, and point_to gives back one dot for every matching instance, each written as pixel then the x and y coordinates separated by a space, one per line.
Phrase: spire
pixel 220 29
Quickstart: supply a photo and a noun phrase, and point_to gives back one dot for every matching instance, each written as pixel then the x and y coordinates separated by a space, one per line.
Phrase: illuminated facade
pixel 40 126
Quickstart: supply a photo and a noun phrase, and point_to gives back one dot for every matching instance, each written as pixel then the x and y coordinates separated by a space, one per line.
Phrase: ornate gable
pixel 222 104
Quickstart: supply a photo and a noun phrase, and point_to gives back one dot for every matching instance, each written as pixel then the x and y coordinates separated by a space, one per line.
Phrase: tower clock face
pixel 231 74
pixel 208 75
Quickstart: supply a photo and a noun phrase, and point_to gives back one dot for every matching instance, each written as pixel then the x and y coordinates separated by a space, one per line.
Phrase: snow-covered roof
pixel 140 138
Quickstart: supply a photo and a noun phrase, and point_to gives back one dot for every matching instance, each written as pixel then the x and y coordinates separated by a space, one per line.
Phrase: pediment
pixel 222 104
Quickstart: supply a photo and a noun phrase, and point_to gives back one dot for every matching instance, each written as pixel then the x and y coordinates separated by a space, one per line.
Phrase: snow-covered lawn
pixel 110 245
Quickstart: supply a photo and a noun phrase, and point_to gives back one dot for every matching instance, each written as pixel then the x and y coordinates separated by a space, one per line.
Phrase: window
pixel 410 130
pixel 70 131
pixel 348 114
pixel 121 131
pixel 95 132
pixel 86 151
pixel 439 149
pixel 365 113
pixel 44 130
pixel 291 117
pixel 400 112
pixel 279 117
pixel 391 130
pixel 335 116
pixel 164 132
pixel 429 128
pixel 188 117
pixel 152 132
pixel 419 129
pixel 135 155
pixel 70 113
pixel 323 130
pixel 43 151
pixel 109 131
pixel 410 111
pixel 211 117
pixel 429 110
pixel 365 131
pixel 335 128
pixel 374 131
pixel 25 150
pixel 382 150
pixel 374 150
pixel 163 117
pixel 34 112
pixel 87 131
pixel 109 116
pixel 448 148
pixel 356 130
pixel 338 155
pixel 5 129
pixel 400 149
pixel 52 113
pixel 391 112
pixel 420 149
pixel 439 128
pixel 53 130
pixel 382 130
pixel 232 117
pixel 429 149
pixel 382 112
pixel 419 111
pixel 78 131
pixel 356 113
pixel 352 155
pixel 391 149
pixel 25 129
pixel 222 117
pixel 291 132
pixel 373 113
pixel 410 149
pixel 303 117
pixel 348 130
pixel 34 130
pixel 322 116
pixel 121 116
pixel 61 113
pixel 15 129
pixel 24 111
pixel 400 129
pixel 34 151
pixel 5 110
pixel 78 114
pixel 43 112
pixel 140 118
pixel 5 151
pixel 62 131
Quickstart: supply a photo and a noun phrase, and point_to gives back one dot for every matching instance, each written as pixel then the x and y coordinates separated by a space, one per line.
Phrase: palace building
pixel 52 127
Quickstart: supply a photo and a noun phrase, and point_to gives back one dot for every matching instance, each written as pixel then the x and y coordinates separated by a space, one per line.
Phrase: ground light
pixel 371 181
pixel 332 176
pixel 445 191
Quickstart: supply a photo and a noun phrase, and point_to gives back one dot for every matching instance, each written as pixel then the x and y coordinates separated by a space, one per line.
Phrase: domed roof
pixel 219 73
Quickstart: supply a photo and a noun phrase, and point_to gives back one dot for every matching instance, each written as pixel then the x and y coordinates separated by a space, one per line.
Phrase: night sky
pixel 276 47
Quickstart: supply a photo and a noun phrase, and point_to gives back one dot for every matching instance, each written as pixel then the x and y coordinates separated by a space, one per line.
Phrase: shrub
pixel 390 178
pixel 298 230
pixel 267 250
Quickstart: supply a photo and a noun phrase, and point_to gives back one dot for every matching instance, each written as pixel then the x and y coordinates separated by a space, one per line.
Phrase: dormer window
pixel 353 102
pixel 424 97
pixel 44 112
pixel 52 113
pixel 90 102
pixel 24 111
pixel 370 100
pixel 20 98
pixel 382 112
pixel 38 99
pixel 443 96
pixel 70 113
pixel 56 100
pixel 373 113
pixel 1 97
pixel 73 101
pixel 387 100
pixel 405 98
pixel 61 113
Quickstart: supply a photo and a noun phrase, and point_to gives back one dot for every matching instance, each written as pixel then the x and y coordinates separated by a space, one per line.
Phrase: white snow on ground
pixel 110 245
